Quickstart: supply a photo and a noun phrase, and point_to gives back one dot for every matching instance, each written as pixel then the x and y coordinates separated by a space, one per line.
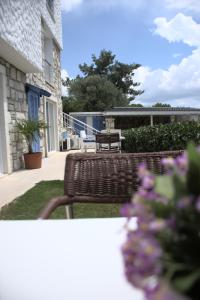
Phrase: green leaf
pixel 184 283
pixel 179 183
pixel 30 129
pixel 193 175
pixel 164 186
pixel 172 268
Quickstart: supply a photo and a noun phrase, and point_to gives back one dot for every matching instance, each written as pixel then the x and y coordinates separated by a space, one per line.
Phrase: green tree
pixel 96 93
pixel 159 104
pixel 136 105
pixel 105 83
pixel 120 74
pixel 70 104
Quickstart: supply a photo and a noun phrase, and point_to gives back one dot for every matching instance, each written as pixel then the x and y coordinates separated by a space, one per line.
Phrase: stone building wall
pixel 20 26
pixel 38 79
pixel 18 107
pixel 17 110
pixel 57 85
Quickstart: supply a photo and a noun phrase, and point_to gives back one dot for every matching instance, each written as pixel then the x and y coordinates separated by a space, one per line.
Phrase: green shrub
pixel 173 136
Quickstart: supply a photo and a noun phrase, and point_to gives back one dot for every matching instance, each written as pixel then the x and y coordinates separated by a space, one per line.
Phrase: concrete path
pixel 16 184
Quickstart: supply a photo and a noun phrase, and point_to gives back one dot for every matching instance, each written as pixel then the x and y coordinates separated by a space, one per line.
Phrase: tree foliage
pixel 70 104
pixel 96 93
pixel 150 138
pixel 105 83
pixel 159 104
pixel 136 105
pixel 120 74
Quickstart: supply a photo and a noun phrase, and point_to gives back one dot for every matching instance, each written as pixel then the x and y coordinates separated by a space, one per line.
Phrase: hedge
pixel 174 136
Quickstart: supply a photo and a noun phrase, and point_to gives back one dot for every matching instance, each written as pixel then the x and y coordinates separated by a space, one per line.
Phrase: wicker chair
pixel 103 178
pixel 107 142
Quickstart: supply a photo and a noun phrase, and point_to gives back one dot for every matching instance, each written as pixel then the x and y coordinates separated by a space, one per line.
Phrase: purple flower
pixel 141 254
pixel 184 202
pixel 142 170
pixel 163 292
pixel 127 210
pixel 168 163
pixel 157 225
pixel 151 195
pixel 148 182
pixel 182 163
pixel 146 262
pixel 198 204
pixel 134 209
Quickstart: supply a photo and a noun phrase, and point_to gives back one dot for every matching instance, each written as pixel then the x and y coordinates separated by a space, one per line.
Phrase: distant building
pixel 131 117
pixel 30 75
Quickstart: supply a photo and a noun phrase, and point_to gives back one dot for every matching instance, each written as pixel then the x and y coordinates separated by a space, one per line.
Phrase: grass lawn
pixel 28 206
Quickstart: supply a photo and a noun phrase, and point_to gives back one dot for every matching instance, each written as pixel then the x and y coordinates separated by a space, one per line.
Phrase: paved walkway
pixel 16 184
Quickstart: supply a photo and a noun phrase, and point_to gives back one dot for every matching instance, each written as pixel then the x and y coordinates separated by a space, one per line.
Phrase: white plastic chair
pixel 87 142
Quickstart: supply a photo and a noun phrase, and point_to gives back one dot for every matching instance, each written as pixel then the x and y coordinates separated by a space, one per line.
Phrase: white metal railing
pixel 75 125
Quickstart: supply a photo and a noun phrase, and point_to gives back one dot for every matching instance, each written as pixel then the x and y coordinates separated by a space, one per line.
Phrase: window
pixel 48 60
pixel 51 122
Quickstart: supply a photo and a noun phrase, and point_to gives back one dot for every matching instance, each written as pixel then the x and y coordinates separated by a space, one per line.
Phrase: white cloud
pixel 64 74
pixel 187 5
pixel 68 5
pixel 180 28
pixel 175 55
pixel 180 83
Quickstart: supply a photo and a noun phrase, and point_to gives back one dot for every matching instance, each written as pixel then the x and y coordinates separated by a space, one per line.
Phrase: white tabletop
pixel 59 260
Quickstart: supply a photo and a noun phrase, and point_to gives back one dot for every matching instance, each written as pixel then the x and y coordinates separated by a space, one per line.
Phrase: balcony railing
pixel 48 72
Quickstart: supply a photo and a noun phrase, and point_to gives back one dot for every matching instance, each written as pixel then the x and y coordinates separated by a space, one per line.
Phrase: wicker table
pixel 59 260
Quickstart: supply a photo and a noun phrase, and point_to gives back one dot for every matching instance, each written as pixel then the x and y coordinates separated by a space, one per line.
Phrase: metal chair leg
pixel 69 211
pixel 52 205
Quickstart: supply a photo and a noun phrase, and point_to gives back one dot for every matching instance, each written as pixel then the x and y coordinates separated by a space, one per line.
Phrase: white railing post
pixel 70 121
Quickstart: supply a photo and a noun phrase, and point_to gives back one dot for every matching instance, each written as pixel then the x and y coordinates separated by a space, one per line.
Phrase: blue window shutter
pixel 33 114
pixel 98 122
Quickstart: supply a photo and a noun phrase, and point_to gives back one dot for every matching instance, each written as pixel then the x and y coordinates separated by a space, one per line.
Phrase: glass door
pixel 51 122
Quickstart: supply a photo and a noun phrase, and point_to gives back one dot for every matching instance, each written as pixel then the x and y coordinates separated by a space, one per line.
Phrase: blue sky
pixel 162 37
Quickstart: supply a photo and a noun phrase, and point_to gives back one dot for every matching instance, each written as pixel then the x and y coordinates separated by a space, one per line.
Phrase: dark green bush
pixel 173 136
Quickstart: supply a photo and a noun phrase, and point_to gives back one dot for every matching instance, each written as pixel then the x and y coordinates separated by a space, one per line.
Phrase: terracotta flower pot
pixel 33 160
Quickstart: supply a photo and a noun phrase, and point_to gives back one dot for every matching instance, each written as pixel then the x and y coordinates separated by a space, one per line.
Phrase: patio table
pixel 63 259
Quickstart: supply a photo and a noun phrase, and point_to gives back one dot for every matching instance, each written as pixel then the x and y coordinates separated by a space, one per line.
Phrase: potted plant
pixel 31 129
pixel 161 255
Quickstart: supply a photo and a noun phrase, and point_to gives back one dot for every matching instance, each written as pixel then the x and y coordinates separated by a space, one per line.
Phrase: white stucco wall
pixel 20 27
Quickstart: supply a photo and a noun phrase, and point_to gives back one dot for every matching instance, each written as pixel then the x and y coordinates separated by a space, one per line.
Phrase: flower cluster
pixel 164 249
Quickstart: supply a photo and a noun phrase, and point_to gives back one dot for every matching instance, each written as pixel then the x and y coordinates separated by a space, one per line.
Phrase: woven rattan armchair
pixel 103 178
pixel 107 142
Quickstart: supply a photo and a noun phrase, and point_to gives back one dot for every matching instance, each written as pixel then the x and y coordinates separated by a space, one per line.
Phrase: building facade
pixel 30 76
pixel 132 117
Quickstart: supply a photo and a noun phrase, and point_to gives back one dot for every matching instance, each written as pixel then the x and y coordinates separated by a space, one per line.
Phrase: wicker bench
pixel 103 178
